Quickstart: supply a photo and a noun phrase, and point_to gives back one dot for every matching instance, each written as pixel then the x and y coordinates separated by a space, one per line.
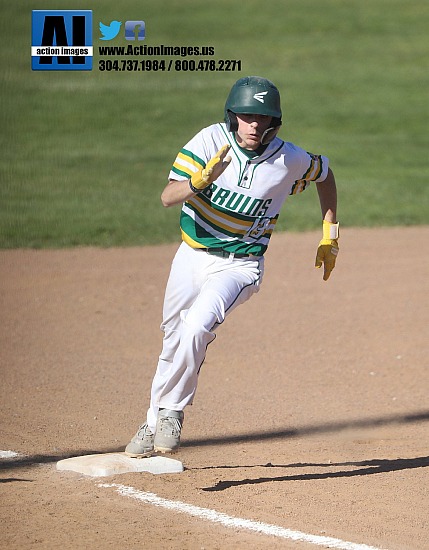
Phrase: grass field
pixel 85 155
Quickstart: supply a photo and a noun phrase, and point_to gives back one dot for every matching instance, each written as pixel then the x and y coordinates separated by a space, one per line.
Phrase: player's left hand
pixel 328 248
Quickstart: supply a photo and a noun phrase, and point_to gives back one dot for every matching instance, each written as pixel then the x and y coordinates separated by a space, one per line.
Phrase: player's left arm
pixel 328 248
pixel 327 190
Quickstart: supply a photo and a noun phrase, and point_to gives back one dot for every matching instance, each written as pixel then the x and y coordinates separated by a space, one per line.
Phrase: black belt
pixel 223 253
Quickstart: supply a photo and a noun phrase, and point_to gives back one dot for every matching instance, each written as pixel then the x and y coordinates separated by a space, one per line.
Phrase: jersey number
pixel 258 227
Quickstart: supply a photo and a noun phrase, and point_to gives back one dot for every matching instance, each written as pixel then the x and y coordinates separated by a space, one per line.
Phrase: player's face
pixel 251 129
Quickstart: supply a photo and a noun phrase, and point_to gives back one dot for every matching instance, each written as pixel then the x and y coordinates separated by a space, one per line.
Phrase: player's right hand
pixel 214 168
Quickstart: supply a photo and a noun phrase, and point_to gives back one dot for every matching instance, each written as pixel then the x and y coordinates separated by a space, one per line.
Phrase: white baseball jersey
pixel 238 212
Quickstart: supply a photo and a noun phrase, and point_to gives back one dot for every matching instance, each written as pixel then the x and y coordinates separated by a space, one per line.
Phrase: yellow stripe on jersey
pixel 298 187
pixel 215 217
pixel 315 168
pixel 187 164
pixel 232 227
pixel 190 242
pixel 312 174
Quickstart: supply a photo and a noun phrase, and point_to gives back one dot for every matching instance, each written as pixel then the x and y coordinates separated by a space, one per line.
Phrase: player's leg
pixel 187 276
pixel 229 283
pixel 180 292
pixel 201 291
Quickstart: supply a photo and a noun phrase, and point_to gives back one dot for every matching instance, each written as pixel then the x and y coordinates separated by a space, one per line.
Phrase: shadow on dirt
pixel 13 479
pixel 367 467
pixel 413 418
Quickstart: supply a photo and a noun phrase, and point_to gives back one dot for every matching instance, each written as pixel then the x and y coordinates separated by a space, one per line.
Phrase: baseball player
pixel 231 179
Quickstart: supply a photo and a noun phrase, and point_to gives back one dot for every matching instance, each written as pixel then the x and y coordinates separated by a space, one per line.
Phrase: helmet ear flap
pixel 231 121
pixel 271 132
pixel 269 135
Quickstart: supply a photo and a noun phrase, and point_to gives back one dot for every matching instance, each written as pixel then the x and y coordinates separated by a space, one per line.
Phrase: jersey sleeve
pixel 192 157
pixel 314 168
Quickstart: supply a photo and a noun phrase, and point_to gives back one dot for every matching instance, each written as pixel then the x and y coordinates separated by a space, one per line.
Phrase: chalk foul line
pixel 234 522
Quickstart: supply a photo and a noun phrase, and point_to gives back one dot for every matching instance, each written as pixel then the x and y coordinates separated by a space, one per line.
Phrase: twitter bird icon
pixel 110 31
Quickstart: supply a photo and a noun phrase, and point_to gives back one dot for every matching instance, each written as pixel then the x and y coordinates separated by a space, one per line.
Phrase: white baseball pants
pixel 202 290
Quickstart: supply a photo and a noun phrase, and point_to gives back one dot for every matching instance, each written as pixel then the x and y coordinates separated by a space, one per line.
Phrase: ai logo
pixel 61 40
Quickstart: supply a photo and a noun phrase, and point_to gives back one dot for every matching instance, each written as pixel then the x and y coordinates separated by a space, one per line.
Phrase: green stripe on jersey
pixel 214 225
pixel 193 157
pixel 200 235
pixel 181 172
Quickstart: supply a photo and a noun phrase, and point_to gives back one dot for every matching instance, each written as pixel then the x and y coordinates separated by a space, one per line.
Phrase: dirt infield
pixel 311 414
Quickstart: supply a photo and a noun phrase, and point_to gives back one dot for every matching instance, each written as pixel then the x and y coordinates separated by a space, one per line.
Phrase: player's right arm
pixel 176 192
pixel 179 191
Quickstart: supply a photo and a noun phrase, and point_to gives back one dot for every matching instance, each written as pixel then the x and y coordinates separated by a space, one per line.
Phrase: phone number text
pixel 137 65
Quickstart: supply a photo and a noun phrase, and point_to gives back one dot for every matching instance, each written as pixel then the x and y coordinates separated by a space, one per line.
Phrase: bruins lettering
pixel 236 202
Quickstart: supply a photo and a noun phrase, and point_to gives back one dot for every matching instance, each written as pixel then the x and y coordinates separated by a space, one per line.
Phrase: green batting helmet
pixel 253 95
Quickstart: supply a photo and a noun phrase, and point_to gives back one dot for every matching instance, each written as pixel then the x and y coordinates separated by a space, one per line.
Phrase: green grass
pixel 85 155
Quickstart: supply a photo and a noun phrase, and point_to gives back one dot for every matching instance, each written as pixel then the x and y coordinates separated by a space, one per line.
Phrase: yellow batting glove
pixel 328 248
pixel 214 168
